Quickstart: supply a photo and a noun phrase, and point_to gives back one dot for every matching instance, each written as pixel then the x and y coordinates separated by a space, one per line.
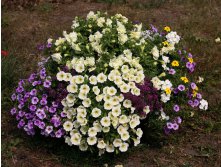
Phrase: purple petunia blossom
pixel 169 125
pixel 33 92
pixel 47 84
pixel 199 96
pixel 43 101
pixel 196 102
pixel 13 111
pixel 49 45
pixel 175 126
pixel 13 97
pixel 34 100
pixel 59 133
pixel 172 71
pixel 178 120
pixel 189 65
pixel 176 108
pixel 49 129
pixel 181 87
pixel 32 107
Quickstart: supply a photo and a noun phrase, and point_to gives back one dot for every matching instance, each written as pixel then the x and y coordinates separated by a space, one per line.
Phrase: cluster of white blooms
pixel 95 110
pixel 95 41
pixel 164 86
pixel 173 38
pixel 203 104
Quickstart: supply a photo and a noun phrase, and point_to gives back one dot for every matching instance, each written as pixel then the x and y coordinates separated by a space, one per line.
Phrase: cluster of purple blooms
pixel 148 96
pixel 36 109
pixel 172 125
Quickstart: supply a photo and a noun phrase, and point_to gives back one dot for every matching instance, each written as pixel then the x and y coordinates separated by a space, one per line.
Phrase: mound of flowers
pixel 100 81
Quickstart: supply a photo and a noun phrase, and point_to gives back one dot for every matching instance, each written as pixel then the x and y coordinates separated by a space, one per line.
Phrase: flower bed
pixel 105 78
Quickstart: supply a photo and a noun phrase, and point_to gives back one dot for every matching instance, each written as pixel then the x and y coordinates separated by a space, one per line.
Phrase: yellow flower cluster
pixel 184 79
pixel 168 91
pixel 175 63
pixel 167 29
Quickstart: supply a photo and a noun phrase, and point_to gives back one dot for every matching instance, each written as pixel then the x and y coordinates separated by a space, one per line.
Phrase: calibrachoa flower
pixel 107 76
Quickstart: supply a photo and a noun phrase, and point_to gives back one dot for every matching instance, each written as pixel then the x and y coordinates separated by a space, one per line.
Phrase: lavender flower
pixel 181 88
pixel 176 108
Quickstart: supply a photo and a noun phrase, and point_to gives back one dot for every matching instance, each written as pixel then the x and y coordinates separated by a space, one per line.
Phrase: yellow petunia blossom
pixel 168 91
pixel 190 60
pixel 184 79
pixel 165 43
pixel 167 29
pixel 175 63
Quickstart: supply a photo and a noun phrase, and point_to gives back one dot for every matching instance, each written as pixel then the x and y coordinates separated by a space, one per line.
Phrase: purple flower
pixel 21 113
pixel 49 45
pixel 40 114
pixel 179 52
pixel 169 125
pixel 21 123
pixel 199 96
pixel 40 47
pixel 59 133
pixel 43 101
pixel 176 91
pixel 193 85
pixel 196 102
pixel 190 55
pixel 47 84
pixel 175 126
pixel 190 102
pixel 154 29
pixel 52 110
pixel 13 97
pixel 63 114
pixel 19 89
pixel 41 125
pixel 34 100
pixel 172 71
pixel 178 120
pixel 49 129
pixel 33 92
pixel 176 108
pixel 37 122
pixel 181 87
pixel 13 111
pixel 32 107
pixel 189 65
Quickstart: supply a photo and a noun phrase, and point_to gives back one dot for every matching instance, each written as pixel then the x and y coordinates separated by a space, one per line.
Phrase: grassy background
pixel 198 22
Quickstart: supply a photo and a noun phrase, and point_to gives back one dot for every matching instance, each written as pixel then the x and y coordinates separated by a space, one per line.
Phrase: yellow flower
pixel 184 79
pixel 168 91
pixel 175 63
pixel 167 29
pixel 165 43
pixel 190 60
pixel 194 93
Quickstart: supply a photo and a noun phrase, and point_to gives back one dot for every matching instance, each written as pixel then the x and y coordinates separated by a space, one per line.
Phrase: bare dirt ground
pixel 198 144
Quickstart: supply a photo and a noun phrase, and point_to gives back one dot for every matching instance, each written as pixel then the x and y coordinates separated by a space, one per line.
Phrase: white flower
pixel 60 75
pixel 136 142
pixel 116 111
pixel 56 57
pixel 96 112
pixel 96 90
pixel 99 98
pixel 76 139
pixel 125 136
pixel 67 77
pixel 127 103
pixel 135 91
pixel 200 80
pixel 156 82
pixel 108 105
pixel 117 142
pixel 109 148
pixel 79 79
pixel 106 129
pixel 93 80
pixel 111 91
pixel 155 52
pixel 86 102
pixel 91 140
pixel 203 104
pixel 146 109
pixel 83 146
pixel 84 88
pixel 173 38
pixel 139 132
pixel 101 78
pixel 217 40
pixel 122 38
pixel 121 129
pixel 82 95
pixel 92 132
pixel 91 15
pixel 70 98
pixel 101 144
pixel 105 121
pixel 68 126
pixel 79 68
pixel 166 59
pixel 123 119
pixel 165 98
pixel 124 147
pixel 125 69
pixel 134 123
pixel 125 88
pixel 100 21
